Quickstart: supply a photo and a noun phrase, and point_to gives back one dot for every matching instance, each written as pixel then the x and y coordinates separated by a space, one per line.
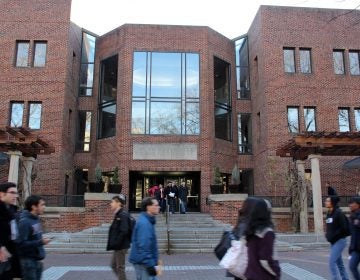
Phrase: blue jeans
pixel 336 262
pixel 31 269
pixel 142 274
pixel 183 205
pixel 354 263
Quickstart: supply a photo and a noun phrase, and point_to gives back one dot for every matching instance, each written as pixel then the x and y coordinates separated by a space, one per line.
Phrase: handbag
pixel 224 244
pixel 236 258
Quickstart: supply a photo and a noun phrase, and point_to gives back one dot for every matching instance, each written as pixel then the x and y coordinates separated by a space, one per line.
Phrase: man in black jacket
pixel 119 236
pixel 354 248
pixel 8 231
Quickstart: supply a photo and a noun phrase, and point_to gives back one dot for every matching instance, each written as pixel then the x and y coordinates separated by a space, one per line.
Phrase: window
pixel 17 113
pixel 344 120
pixel 305 61
pixel 293 119
pixel 354 61
pixel 40 54
pixel 244 133
pixel 222 99
pixel 357 119
pixel 165 94
pixel 242 68
pixel 108 95
pixel 289 60
pixel 22 53
pixel 84 131
pixel 87 64
pixel 309 118
pixel 338 59
pixel 34 118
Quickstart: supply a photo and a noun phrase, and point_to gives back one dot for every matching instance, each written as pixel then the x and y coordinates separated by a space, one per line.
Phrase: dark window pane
pixel 139 74
pixel 84 131
pixel 17 111
pixel 244 133
pixel 107 121
pixel 222 81
pixel 138 118
pixel 192 75
pixel 22 54
pixel 108 89
pixel 289 60
pixel 222 123
pixel 192 119
pixel 85 91
pixel 354 62
pixel 242 69
pixel 309 118
pixel 357 119
pixel 293 119
pixel 165 118
pixel 338 59
pixel 35 116
pixel 305 61
pixel 344 121
pixel 166 75
pixel 40 54
pixel 88 48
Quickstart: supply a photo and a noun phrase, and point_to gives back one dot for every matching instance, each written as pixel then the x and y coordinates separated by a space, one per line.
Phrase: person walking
pixel 337 229
pixel 354 248
pixel 119 236
pixel 183 193
pixel 257 226
pixel 9 259
pixel 144 253
pixel 31 241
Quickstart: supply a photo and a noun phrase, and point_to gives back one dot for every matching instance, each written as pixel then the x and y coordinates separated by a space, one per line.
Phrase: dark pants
pixel 172 204
pixel 118 263
pixel 31 269
pixel 183 205
pixel 354 263
pixel 162 204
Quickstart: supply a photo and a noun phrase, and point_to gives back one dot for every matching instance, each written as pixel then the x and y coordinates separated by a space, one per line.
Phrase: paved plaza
pixel 303 265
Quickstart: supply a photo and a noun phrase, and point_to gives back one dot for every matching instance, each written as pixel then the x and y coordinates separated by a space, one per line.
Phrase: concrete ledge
pixel 227 197
pixel 64 210
pixel 99 196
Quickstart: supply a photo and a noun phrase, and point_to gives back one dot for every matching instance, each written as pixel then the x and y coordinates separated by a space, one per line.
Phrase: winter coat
pixel 30 237
pixel 336 225
pixel 118 237
pixel 144 249
pixel 183 192
pixel 355 232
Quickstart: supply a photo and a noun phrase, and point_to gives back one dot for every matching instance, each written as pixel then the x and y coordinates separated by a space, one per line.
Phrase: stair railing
pixel 167 221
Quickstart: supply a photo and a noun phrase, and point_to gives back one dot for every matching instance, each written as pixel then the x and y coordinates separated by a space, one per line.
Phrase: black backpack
pixel 132 223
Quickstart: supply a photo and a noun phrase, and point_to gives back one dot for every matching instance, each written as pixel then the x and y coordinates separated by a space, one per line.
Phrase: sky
pixel 231 18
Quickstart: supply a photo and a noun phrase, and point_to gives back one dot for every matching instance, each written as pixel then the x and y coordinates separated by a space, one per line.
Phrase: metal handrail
pixel 167 221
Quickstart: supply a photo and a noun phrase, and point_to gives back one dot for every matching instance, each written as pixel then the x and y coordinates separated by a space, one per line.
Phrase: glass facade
pixel 293 119
pixel 338 60
pixel 165 94
pixel 34 119
pixel 289 60
pixel 84 131
pixel 244 133
pixel 344 120
pixel 242 68
pixel 87 64
pixel 22 54
pixel 17 113
pixel 40 54
pixel 222 99
pixel 309 118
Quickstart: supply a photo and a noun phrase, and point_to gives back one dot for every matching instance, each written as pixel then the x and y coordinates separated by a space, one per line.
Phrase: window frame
pixel 293 59
pixel 298 119
pixel 34 53
pixel 302 50
pixel 315 120
pixel 342 52
pixel 29 112
pixel 358 62
pixel 11 113
pixel 348 118
pixel 17 43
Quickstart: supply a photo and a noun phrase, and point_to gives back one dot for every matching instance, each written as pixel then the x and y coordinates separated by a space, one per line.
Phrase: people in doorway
pixel 31 241
pixel 8 231
pixel 337 228
pixel 153 190
pixel 161 197
pixel 330 190
pixel 119 238
pixel 144 253
pixel 354 248
pixel 171 194
pixel 183 192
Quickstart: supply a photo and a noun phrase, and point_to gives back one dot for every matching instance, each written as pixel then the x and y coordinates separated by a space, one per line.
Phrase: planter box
pixel 216 189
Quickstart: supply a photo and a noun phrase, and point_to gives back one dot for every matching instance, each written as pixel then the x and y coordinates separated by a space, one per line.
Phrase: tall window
pixel 22 53
pixel 357 118
pixel 165 95
pixel 87 64
pixel 242 68
pixel 84 131
pixel 289 60
pixel 222 99
pixel 344 120
pixel 108 94
pixel 16 114
pixel 309 118
pixel 34 117
pixel 305 61
pixel 244 133
pixel 39 54
pixel 338 59
pixel 293 119
pixel 354 61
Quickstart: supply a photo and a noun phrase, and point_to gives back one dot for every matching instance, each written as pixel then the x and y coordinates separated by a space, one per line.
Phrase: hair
pixel 256 213
pixel 120 198
pixel 334 200
pixel 355 199
pixel 147 201
pixel 6 185
pixel 32 200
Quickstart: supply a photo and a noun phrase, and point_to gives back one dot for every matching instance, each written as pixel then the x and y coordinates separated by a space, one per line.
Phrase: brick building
pixel 171 103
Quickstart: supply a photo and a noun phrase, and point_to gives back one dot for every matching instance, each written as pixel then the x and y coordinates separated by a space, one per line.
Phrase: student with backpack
pixel 119 238
pixel 337 228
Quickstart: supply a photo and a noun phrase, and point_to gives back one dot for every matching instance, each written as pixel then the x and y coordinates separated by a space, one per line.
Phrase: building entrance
pixel 142 181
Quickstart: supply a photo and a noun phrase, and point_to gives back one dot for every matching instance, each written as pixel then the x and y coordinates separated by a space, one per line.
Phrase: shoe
pixel 183 213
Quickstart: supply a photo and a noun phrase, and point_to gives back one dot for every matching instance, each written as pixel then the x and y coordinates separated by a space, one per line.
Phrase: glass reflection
pixel 192 118
pixel 338 59
pixel 293 119
pixel 357 119
pixel 192 75
pixel 138 118
pixel 40 54
pixel 17 111
pixel 107 121
pixel 309 117
pixel 305 61
pixel 108 85
pixel 165 118
pixel 139 74
pixel 87 64
pixel 344 122
pixel 86 75
pixel 34 115
pixel 354 61
pixel 289 60
pixel 88 48
pixel 22 55
pixel 244 133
